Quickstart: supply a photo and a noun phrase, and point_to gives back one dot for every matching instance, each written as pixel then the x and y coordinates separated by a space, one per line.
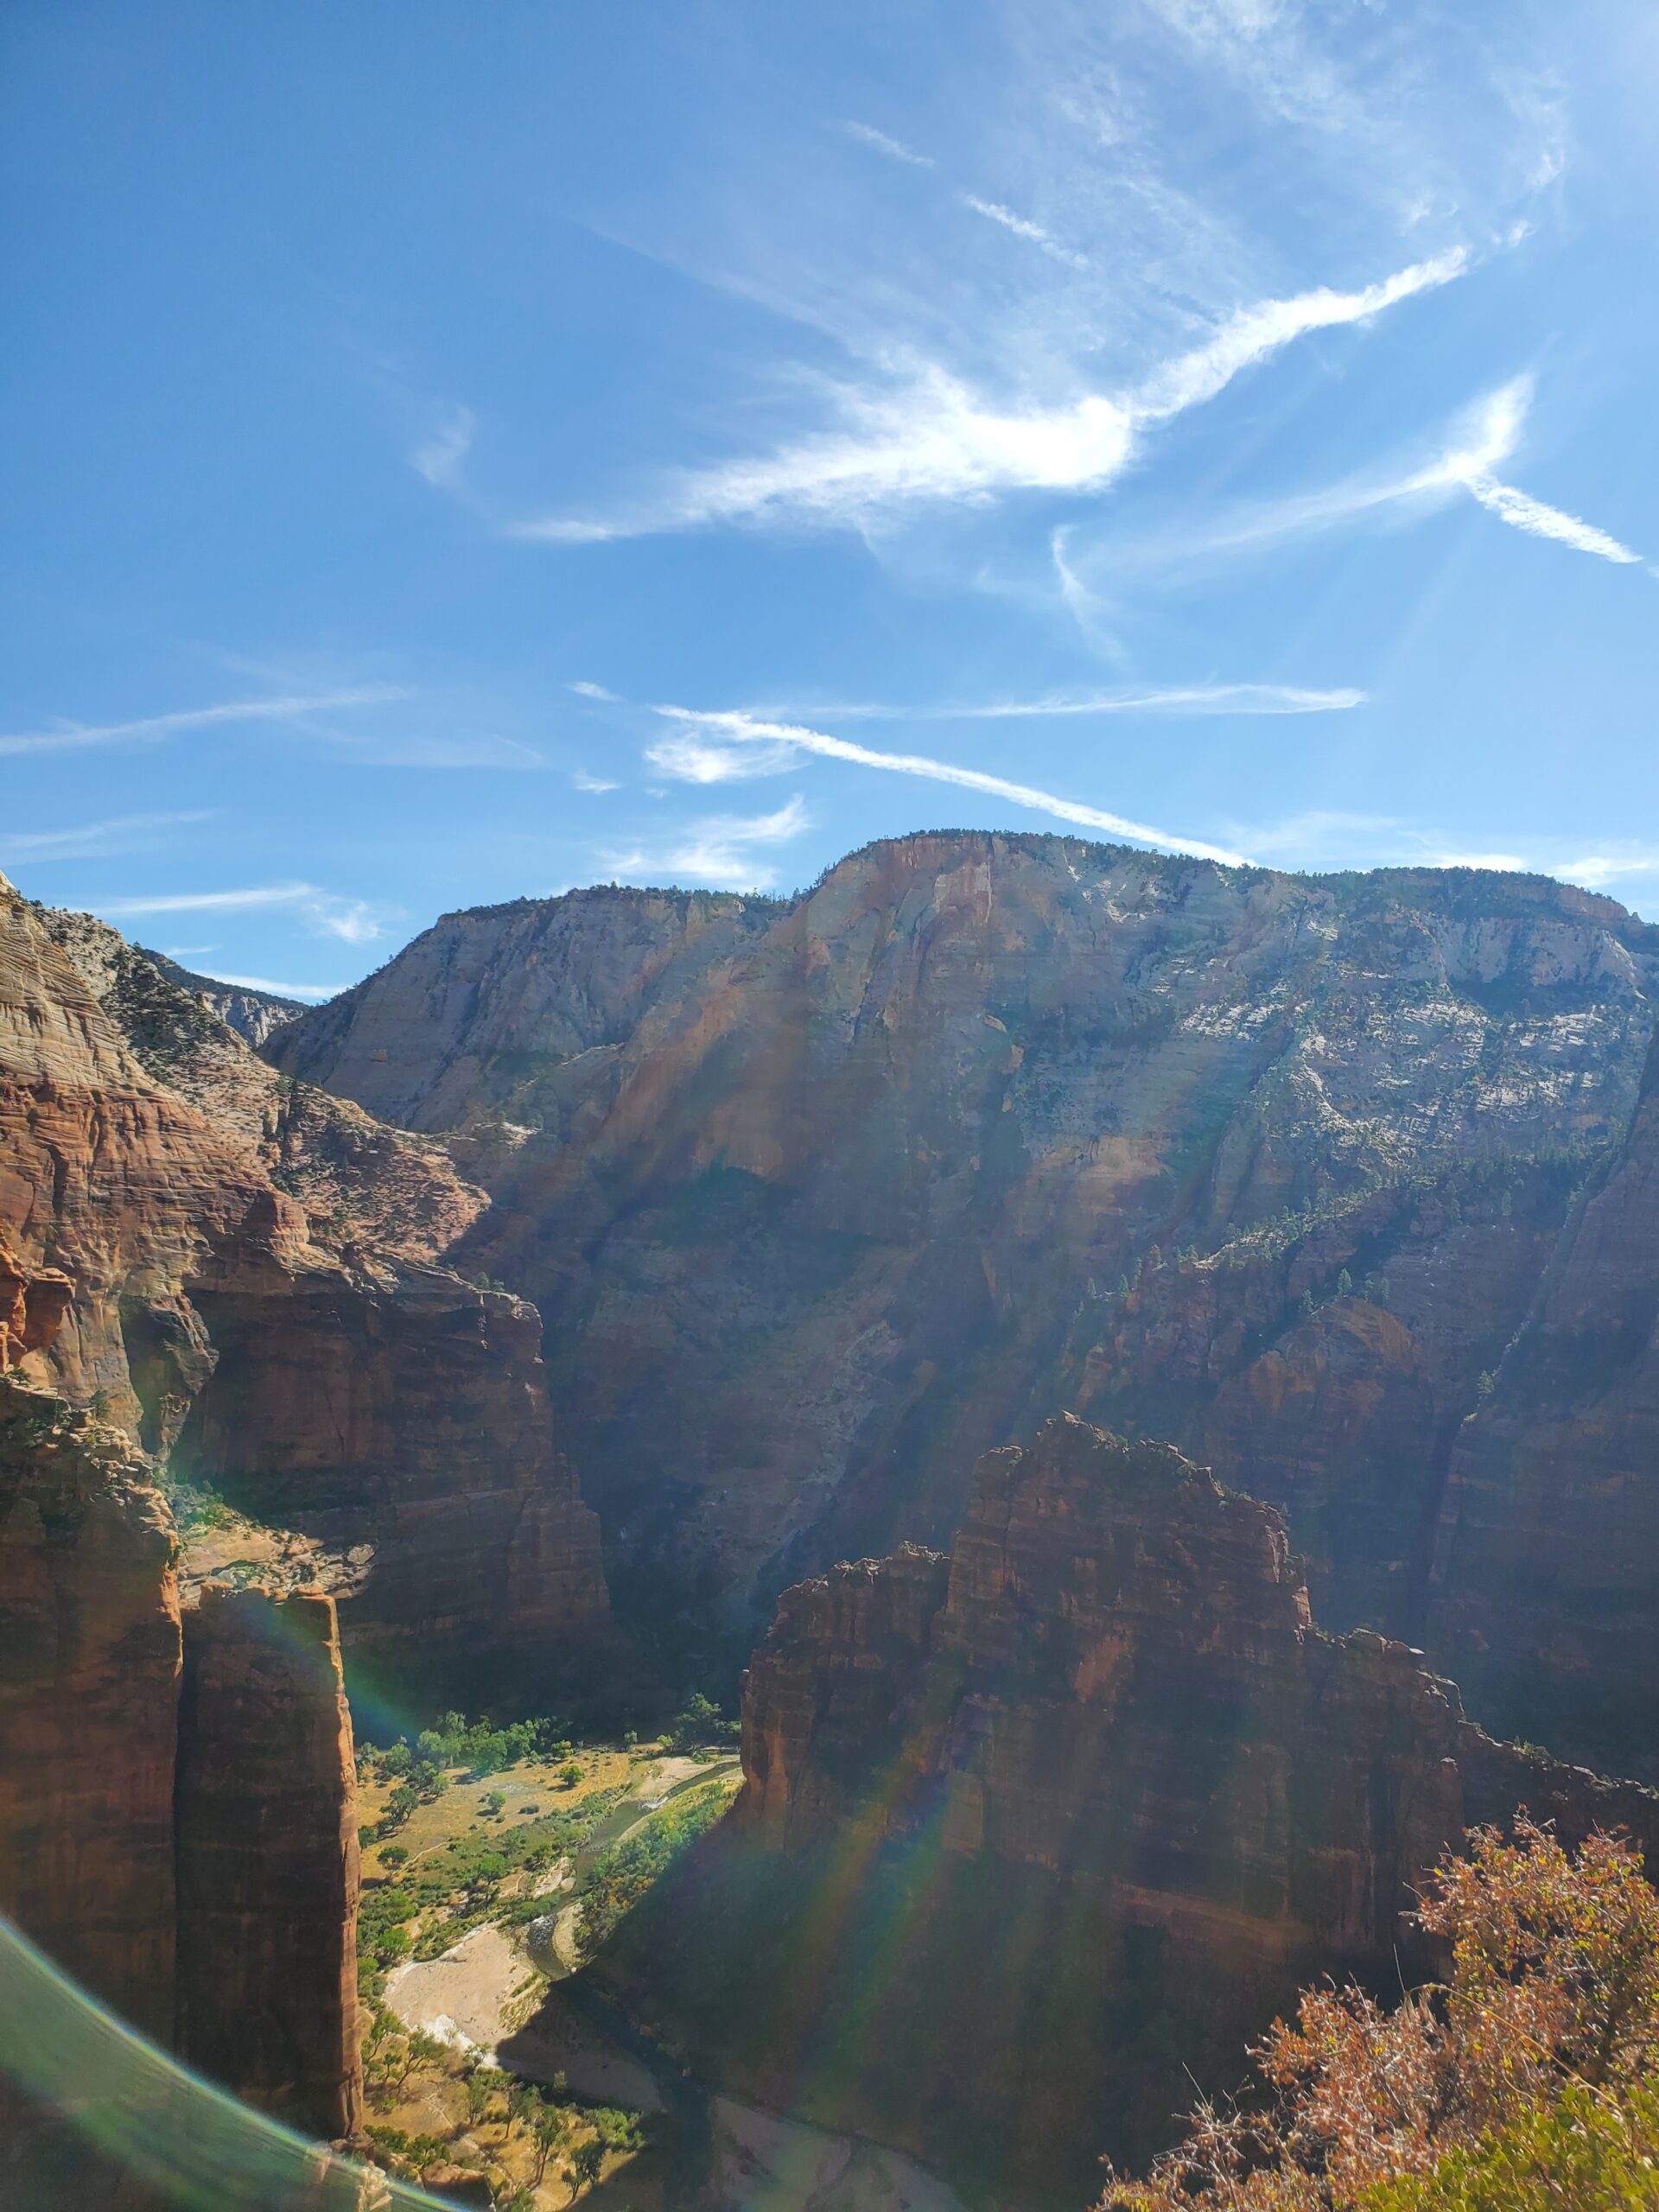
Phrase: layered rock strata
pixel 257 1297
pixel 1544 1597
pixel 822 1198
pixel 33 1304
pixel 177 1790
pixel 90 1642
pixel 1051 1826
pixel 265 1842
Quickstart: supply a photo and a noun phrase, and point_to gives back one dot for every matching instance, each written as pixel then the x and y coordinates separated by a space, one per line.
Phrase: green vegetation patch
pixel 622 1876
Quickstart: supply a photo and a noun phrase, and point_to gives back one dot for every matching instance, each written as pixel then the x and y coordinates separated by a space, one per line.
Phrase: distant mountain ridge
pixel 254 1014
pixel 823 1197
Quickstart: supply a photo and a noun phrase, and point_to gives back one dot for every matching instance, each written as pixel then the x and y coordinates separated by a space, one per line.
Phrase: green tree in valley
pixel 587 2163
pixel 550 2128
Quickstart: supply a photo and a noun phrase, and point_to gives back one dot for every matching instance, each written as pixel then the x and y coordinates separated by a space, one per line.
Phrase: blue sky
pixel 452 453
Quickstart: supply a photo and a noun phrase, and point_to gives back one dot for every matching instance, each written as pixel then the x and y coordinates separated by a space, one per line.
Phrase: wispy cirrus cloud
pixel 326 913
pixel 1324 838
pixel 1167 699
pixel 281 990
pixel 932 437
pixel 1023 227
pixel 585 690
pixel 1255 333
pixel 894 148
pixel 584 782
pixel 69 736
pixel 721 752
pixel 724 850
pixel 122 833
pixel 1522 512
pixel 1482 439
pixel 440 457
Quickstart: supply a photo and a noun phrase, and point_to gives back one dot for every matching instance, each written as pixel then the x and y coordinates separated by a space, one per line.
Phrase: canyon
pixel 821 1199
pixel 1036 1836
pixel 1215 1310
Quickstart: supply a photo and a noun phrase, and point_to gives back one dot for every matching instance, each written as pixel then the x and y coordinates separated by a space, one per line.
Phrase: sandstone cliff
pixel 89 1668
pixel 257 1297
pixel 821 1199
pixel 265 1837
pixel 1544 1582
pixel 476 1018
pixel 1028 1833
pixel 192 1859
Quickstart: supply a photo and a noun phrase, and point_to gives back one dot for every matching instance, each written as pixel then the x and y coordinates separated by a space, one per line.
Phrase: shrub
pixel 1536 2067
pixel 699 1722
pixel 1578 2154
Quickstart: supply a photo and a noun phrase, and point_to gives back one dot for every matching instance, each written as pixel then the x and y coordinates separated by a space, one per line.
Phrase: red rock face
pixel 33 1305
pixel 822 1200
pixel 266 1838
pixel 1136 1690
pixel 294 1346
pixel 1028 1831
pixel 89 1670
pixel 1545 1579
pixel 177 1792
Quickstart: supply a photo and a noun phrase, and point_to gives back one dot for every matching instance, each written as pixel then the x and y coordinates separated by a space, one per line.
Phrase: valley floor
pixel 505 2002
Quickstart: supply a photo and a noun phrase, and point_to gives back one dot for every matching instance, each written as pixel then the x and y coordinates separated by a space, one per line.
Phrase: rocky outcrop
pixel 256 1298
pixel 89 1670
pixel 266 1853
pixel 1545 1594
pixel 1050 1827
pixel 476 1019
pixel 190 1858
pixel 370 1193
pixel 33 1304
pixel 821 1199
pixel 411 1431
pixel 252 1013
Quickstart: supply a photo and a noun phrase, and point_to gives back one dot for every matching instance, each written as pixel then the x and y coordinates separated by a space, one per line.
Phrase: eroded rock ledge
pixel 249 1279
pixel 178 1823
pixel 1034 1833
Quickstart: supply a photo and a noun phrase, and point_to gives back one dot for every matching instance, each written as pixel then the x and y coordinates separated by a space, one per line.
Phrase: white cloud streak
pixel 72 735
pixel 1254 333
pixel 894 148
pixel 584 782
pixel 1325 838
pixel 1188 699
pixel 590 691
pixel 281 990
pixel 743 730
pixel 1522 512
pixel 194 902
pixel 440 458
pixel 327 912
pixel 935 438
pixel 720 848
pixel 1486 436
pixel 123 833
pixel 1022 227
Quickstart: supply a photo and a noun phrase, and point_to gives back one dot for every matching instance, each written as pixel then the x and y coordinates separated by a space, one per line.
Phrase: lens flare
pixel 97 2098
